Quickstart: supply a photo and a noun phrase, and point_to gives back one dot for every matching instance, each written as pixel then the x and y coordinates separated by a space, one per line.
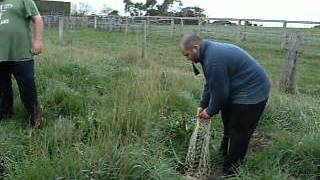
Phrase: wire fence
pixel 280 37
pixel 170 26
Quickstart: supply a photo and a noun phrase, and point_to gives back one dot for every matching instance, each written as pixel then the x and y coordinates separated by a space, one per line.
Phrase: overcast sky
pixel 264 9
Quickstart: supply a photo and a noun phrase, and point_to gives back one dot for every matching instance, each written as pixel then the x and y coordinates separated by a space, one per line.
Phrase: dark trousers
pixel 240 121
pixel 23 72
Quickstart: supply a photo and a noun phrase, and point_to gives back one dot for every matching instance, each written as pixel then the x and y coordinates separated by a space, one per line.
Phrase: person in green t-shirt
pixel 17 49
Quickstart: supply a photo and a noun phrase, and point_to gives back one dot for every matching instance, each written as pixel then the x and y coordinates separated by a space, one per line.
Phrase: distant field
pixel 112 115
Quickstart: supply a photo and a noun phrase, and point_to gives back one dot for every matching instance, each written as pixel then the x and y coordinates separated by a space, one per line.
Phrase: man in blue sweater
pixel 237 86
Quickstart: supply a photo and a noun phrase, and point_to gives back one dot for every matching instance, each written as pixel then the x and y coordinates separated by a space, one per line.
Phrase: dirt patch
pixel 260 141
pixel 216 174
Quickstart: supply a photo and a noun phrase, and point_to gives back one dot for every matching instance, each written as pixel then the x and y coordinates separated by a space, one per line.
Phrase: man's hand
pixel 199 110
pixel 37 48
pixel 204 115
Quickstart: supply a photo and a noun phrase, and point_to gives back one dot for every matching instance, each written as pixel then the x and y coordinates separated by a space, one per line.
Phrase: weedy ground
pixel 110 114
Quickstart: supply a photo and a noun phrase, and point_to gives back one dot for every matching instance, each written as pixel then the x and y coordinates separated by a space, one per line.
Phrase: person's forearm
pixel 38 28
pixel 205 97
pixel 219 97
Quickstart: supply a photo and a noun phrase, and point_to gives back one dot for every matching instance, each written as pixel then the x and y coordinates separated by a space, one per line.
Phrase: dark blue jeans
pixel 23 72
pixel 240 121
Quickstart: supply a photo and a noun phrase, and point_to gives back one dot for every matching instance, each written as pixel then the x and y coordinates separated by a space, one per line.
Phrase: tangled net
pixel 198 157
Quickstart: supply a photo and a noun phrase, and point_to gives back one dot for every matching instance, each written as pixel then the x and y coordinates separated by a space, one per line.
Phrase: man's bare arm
pixel 38 33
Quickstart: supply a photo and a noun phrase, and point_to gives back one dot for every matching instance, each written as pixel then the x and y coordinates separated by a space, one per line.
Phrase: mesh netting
pixel 198 157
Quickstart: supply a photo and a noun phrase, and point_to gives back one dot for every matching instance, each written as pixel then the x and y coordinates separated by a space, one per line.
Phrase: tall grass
pixel 111 115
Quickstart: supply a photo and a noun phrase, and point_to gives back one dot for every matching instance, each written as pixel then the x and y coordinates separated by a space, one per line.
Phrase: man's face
pixel 191 54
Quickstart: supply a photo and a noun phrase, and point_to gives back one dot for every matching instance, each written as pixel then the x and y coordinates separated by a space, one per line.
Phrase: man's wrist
pixel 211 112
pixel 37 41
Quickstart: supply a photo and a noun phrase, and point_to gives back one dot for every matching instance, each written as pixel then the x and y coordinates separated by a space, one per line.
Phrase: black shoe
pixel 35 119
pixel 212 177
pixel 229 172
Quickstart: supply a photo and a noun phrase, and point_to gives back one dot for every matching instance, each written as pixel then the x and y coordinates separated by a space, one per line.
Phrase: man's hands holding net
pixel 203 114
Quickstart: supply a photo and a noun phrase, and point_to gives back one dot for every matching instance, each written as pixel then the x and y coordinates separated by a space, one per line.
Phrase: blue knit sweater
pixel 232 76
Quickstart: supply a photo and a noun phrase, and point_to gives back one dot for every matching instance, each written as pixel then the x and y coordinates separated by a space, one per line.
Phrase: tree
pixel 191 12
pixel 127 5
pixel 114 13
pixel 150 4
pixel 135 9
pixel 175 8
pixel 247 23
pixel 130 7
pixel 165 7
pixel 81 9
pixel 105 9
pixel 74 8
pixel 150 7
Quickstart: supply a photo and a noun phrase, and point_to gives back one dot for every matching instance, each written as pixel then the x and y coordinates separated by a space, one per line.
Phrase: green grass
pixel 109 114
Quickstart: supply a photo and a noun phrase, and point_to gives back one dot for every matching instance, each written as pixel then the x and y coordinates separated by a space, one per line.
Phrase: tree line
pixel 173 8
pixel 166 8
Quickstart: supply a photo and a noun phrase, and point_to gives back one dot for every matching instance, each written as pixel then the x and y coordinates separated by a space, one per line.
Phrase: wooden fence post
pixel 207 25
pixel 82 22
pixel 67 22
pixel 105 24
pixel 241 32
pixel 287 83
pixel 172 29
pixel 95 22
pixel 49 22
pixel 61 24
pixel 181 26
pixel 284 39
pixel 144 46
pixel 199 26
pixel 148 21
pixel 87 22
pixel 111 24
pixel 127 24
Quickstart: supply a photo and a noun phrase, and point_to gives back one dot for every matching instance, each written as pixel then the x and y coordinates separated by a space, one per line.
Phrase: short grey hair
pixel 188 41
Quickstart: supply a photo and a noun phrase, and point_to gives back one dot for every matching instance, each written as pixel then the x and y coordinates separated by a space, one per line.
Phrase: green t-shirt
pixel 15 30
